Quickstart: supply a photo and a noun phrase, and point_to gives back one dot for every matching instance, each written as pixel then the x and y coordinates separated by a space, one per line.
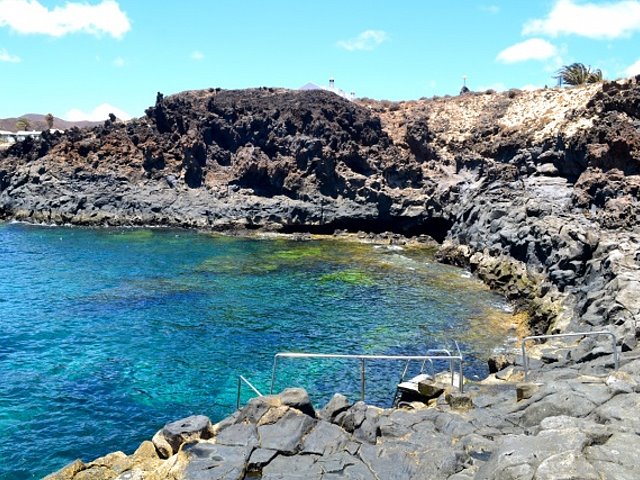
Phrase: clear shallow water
pixel 105 335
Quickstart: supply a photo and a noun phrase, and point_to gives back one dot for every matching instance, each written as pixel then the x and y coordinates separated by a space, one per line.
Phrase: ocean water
pixel 107 334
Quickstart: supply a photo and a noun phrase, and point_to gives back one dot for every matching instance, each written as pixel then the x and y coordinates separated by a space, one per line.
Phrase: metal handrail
pixel 424 363
pixel 241 379
pixel 364 358
pixel 525 360
pixel 433 369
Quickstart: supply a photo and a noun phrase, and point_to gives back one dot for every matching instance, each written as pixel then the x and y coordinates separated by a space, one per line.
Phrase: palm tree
pixel 578 74
pixel 23 124
pixel 49 119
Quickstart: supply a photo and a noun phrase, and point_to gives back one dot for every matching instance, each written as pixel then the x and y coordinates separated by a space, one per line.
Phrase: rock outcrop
pixel 570 426
pixel 536 192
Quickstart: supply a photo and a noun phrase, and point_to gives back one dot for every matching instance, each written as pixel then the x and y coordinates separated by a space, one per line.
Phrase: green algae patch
pixel 134 235
pixel 235 266
pixel 300 253
pixel 351 277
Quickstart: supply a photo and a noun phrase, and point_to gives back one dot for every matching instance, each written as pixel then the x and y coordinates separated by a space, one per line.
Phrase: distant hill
pixel 39 122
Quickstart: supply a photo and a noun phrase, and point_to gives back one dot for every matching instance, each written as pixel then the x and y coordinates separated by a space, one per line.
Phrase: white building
pixel 12 137
pixel 23 134
pixel 7 137
pixel 331 88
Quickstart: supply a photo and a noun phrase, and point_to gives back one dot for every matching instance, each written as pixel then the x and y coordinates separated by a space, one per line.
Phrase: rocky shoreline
pixel 570 422
pixel 537 193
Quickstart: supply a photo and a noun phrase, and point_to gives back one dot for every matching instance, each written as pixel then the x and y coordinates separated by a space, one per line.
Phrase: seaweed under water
pixel 110 333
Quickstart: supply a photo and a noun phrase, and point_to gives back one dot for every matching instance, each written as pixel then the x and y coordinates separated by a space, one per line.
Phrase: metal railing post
pixel 461 379
pixel 273 373
pixel 614 345
pixel 249 384
pixel 362 379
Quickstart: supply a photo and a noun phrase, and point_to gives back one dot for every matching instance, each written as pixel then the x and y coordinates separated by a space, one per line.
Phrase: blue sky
pixel 83 58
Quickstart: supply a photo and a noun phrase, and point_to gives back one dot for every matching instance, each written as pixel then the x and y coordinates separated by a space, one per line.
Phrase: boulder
pixel 238 435
pixel 207 461
pixel 289 468
pixel 162 446
pixel 67 472
pixel 566 465
pixel 615 412
pixel 525 390
pixel 254 410
pixel 174 434
pixel 324 438
pixel 368 430
pixel 96 473
pixel 259 458
pixel 500 361
pixel 298 398
pixel 338 404
pixel 617 458
pixel 621 382
pixel 135 474
pixel 352 418
pixel 430 389
pixel 564 402
pixel 458 401
pixel 286 434
pixel 518 456
pixel 117 462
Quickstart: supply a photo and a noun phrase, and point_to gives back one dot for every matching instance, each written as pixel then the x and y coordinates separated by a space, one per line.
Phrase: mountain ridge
pixel 38 122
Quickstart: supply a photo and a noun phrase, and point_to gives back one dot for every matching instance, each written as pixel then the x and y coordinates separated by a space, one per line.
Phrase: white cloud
pixel 100 113
pixel 592 20
pixel 367 40
pixel 532 49
pixel 7 57
pixel 197 55
pixel 119 62
pixel 492 9
pixel 633 69
pixel 31 17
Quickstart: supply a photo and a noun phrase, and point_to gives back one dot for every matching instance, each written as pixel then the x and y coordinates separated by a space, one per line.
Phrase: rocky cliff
pixel 536 192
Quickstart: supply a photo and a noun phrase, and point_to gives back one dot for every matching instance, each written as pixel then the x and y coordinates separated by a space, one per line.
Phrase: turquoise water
pixel 108 334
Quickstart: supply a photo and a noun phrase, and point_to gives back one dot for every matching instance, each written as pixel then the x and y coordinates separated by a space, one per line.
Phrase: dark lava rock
pixel 338 404
pixel 298 398
pixel 216 462
pixel 285 435
pixel 186 430
pixel 325 438
pixel 499 362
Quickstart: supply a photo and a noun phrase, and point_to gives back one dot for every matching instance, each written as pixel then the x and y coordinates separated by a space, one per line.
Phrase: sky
pixel 82 59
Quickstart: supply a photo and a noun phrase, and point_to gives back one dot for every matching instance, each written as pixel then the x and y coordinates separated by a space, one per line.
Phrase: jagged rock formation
pixel 547 180
pixel 536 192
pixel 257 158
pixel 570 427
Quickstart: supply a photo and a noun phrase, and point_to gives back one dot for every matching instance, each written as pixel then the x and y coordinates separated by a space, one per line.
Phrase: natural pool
pixel 107 334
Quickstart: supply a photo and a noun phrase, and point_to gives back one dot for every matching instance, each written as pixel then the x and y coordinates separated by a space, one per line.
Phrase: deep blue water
pixel 108 334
